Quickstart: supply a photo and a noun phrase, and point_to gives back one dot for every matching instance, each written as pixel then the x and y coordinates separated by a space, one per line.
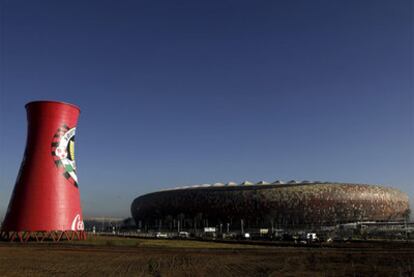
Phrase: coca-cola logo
pixel 77 224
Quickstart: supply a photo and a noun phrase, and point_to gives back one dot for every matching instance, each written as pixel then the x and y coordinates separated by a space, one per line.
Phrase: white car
pixel 311 236
pixel 184 234
pixel 161 235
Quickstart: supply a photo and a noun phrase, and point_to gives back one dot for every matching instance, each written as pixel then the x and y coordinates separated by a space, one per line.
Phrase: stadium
pixel 269 205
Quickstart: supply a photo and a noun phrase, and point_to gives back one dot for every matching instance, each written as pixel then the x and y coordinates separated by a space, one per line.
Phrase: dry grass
pixel 170 243
pixel 133 257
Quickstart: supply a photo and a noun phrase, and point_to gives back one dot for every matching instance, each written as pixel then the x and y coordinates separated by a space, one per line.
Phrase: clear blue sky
pixel 186 92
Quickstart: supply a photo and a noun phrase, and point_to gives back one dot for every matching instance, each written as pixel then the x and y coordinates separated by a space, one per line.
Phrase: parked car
pixel 184 235
pixel 161 235
pixel 311 237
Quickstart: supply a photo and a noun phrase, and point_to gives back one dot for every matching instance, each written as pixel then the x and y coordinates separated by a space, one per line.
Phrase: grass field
pixel 139 242
pixel 108 256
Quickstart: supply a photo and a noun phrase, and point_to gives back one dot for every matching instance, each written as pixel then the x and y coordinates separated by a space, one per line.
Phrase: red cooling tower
pixel 45 203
